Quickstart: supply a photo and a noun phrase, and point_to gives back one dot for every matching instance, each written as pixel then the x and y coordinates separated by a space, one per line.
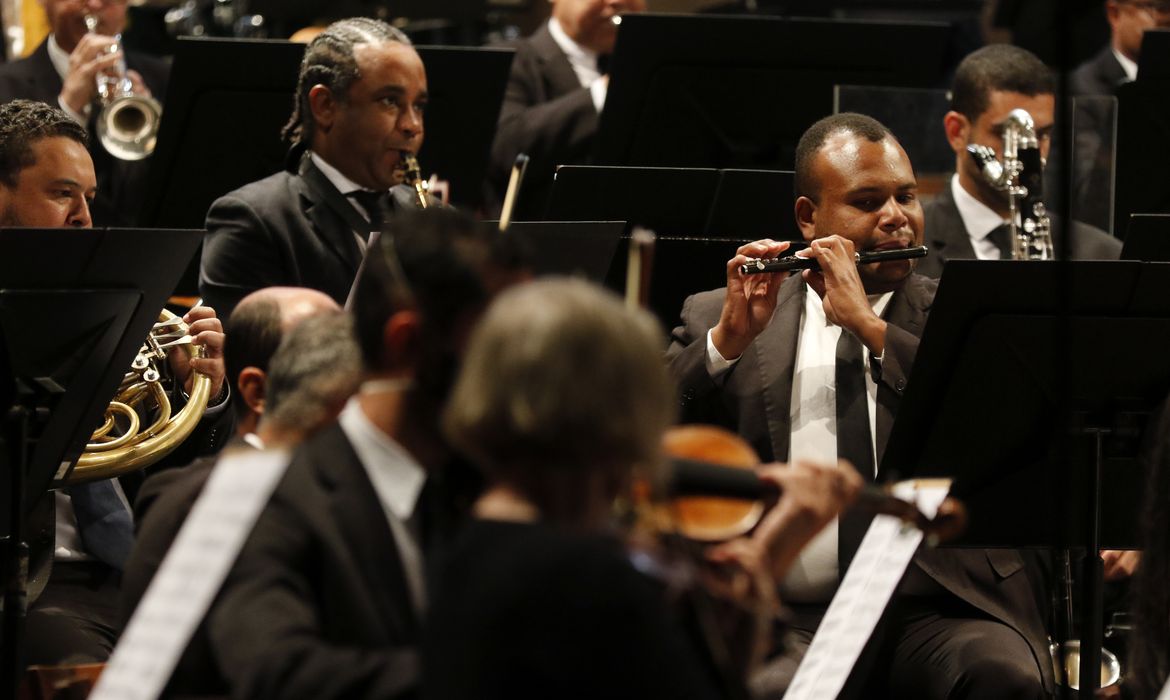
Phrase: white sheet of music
pixel 190 575
pixel 1165 694
pixel 867 588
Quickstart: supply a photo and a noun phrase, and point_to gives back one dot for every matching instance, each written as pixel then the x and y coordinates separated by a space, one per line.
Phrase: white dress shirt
pixel 59 57
pixel 813 577
pixel 1130 67
pixel 978 219
pixel 583 61
pixel 398 480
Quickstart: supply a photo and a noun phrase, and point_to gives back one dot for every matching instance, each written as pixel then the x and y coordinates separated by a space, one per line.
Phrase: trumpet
pixel 127 125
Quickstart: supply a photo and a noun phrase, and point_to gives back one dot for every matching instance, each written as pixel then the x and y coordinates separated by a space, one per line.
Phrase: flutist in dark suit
pixel 813 368
pixel 359 108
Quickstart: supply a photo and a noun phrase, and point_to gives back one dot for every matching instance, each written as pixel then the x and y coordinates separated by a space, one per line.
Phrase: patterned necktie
pixel 854 439
pixel 377 206
pixel 1001 236
pixel 105 526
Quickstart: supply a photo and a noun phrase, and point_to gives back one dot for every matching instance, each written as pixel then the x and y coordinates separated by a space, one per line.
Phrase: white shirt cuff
pixel 598 89
pixel 82 118
pixel 717 365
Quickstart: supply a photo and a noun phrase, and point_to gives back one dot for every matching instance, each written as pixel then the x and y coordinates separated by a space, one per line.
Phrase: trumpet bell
pixel 128 126
pixel 1110 666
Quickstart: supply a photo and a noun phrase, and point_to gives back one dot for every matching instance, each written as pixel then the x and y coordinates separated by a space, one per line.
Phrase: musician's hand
pixel 741 575
pixel 811 495
pixel 138 85
pixel 206 331
pixel 750 299
pixel 92 56
pixel 1120 564
pixel 843 293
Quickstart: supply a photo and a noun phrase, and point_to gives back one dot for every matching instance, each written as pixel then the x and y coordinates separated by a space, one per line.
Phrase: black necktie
pixel 377 206
pixel 1001 236
pixel 603 64
pixel 854 440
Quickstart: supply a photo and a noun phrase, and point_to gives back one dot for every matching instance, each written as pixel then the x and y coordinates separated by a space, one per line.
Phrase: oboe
pixel 757 266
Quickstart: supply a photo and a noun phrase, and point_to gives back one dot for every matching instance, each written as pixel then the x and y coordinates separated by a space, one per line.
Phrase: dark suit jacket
pixel 754 399
pixel 947 238
pixel 316 605
pixel 121 184
pixel 547 115
pixel 292 229
pixel 1100 75
pixel 162 505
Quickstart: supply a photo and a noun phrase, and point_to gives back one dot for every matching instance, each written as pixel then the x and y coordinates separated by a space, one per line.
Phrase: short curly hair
pixel 23 123
pixel 329 61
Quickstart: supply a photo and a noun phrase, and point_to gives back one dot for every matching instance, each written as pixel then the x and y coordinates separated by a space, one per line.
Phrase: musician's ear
pixel 401 340
pixel 251 386
pixel 958 130
pixel 323 105
pixel 806 214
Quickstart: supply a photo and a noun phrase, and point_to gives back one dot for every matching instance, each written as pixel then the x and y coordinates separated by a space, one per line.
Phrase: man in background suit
pixel 359 107
pixel 1116 63
pixel 47 180
pixel 62 72
pixel 968 218
pixel 326 597
pixel 759 358
pixel 555 93
pixel 291 391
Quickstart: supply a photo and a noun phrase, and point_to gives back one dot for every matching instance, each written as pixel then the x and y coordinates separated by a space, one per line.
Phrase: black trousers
pixel 76 618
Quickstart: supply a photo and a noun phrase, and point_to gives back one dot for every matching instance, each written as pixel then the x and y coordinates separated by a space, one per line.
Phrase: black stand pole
pixel 1093 576
pixel 15 554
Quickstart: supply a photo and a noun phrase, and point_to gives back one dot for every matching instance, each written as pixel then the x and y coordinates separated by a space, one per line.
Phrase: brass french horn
pixel 120 445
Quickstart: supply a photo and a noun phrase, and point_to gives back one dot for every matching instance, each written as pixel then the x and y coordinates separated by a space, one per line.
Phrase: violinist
pixel 812 366
pixel 561 401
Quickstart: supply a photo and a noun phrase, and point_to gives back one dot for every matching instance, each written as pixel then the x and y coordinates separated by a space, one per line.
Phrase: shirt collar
pixel 575 52
pixel 978 218
pixel 343 184
pixel 396 476
pixel 59 57
pixel 1130 67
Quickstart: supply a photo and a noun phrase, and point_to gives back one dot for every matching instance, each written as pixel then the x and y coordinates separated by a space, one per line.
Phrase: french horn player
pixel 48 181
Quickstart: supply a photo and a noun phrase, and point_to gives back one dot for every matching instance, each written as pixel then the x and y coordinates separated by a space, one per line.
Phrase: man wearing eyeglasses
pixel 1117 63
pixel 62 72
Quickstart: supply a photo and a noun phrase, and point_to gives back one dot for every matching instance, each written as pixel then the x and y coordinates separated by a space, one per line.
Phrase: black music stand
pixel 1147 238
pixel 697 202
pixel 576 248
pixel 1143 130
pixel 75 306
pixel 1029 381
pixel 222 123
pixel 737 92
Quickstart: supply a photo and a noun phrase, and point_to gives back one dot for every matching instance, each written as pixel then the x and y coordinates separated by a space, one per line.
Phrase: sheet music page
pixel 190 576
pixel 853 614
pixel 1165 694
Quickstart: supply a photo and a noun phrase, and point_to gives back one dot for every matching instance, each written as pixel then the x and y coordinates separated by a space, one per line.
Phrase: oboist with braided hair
pixel 358 109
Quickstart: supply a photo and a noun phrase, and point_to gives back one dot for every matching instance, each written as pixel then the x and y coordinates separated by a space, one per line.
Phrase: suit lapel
pixel 774 352
pixel 359 516
pixel 43 80
pixel 946 232
pixel 334 218
pixel 908 310
pixel 559 74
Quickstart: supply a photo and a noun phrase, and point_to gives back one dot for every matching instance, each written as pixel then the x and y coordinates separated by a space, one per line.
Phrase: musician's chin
pixel 888 276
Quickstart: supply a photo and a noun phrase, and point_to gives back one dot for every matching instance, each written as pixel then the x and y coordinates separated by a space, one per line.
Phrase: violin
pixel 715 493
